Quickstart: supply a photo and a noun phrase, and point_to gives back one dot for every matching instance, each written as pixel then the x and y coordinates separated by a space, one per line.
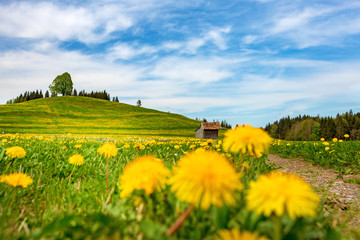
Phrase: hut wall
pixel 210 134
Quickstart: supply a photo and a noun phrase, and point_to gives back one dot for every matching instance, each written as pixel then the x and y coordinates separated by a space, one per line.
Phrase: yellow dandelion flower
pixel 4 140
pixel 327 148
pixel 139 146
pixel 63 148
pixel 334 139
pixel 322 139
pixel 346 136
pixel 15 152
pixel 176 146
pixel 234 234
pixel 247 139
pixel 108 150
pixel 341 140
pixel 146 173
pixel 126 145
pixel 76 160
pixel 192 146
pixel 77 146
pixel 325 143
pixel 282 194
pixel 204 178
pixel 17 179
pixel 41 138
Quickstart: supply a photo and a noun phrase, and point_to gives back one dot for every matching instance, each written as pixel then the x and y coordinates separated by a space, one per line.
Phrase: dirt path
pixel 339 195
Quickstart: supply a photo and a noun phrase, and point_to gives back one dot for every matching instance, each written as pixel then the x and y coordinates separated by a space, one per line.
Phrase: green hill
pixel 83 115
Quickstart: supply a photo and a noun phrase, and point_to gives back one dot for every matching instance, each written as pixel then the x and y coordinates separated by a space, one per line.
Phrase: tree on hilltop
pixel 62 84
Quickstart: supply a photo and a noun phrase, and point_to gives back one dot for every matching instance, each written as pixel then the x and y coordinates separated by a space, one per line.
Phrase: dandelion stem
pixel 107 173
pixel 71 173
pixel 277 233
pixel 180 220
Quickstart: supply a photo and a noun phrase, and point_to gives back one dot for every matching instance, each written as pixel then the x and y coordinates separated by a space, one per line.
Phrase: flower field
pixel 84 187
pixel 341 155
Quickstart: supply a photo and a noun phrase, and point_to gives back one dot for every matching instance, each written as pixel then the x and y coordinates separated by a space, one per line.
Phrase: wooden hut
pixel 208 130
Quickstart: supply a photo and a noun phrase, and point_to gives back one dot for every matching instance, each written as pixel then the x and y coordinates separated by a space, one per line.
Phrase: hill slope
pixel 83 115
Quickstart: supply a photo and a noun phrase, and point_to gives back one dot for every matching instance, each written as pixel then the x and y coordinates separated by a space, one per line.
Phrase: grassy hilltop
pixel 83 115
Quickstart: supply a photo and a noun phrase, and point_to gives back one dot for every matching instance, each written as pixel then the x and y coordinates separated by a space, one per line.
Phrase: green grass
pixel 83 115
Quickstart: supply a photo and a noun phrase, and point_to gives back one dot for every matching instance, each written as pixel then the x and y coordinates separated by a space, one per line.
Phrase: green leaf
pixel 2 153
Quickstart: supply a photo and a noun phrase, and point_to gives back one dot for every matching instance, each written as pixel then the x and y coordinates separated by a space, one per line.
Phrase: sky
pixel 243 61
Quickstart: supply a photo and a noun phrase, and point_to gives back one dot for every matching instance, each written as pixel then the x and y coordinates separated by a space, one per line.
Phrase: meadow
pixel 342 155
pixel 91 116
pixel 93 187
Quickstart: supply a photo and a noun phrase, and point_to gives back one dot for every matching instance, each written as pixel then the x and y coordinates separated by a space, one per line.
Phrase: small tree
pixel 62 84
pixel 138 103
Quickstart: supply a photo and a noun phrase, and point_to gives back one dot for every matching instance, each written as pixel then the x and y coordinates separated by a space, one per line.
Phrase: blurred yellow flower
pixel 63 148
pixel 176 146
pixel 322 139
pixel 346 135
pixel 78 146
pixel 327 148
pixel 126 145
pixel 76 160
pixel 17 179
pixel 235 234
pixel 146 173
pixel 204 178
pixel 247 140
pixel 108 150
pixel 15 152
pixel 334 139
pixel 139 146
pixel 282 194
pixel 325 143
pixel 341 140
pixel 41 138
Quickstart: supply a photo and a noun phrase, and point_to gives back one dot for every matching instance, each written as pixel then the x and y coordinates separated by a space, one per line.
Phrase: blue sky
pixel 249 61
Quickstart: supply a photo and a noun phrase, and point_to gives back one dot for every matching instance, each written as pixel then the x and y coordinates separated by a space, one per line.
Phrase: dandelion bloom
pixel 108 150
pixel 325 143
pixel 334 139
pixel 146 173
pixel 204 178
pixel 346 135
pixel 327 148
pixel 234 234
pixel 17 179
pixel 247 139
pixel 78 146
pixel 322 139
pixel 279 193
pixel 76 160
pixel 15 152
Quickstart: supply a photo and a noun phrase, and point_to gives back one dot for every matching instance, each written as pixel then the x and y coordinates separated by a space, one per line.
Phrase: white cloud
pixel 191 46
pixel 125 51
pixel 47 21
pixel 192 70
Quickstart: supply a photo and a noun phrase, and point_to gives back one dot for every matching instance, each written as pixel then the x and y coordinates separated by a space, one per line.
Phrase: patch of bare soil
pixel 341 197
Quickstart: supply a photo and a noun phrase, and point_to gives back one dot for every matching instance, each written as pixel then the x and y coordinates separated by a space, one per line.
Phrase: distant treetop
pixel 62 84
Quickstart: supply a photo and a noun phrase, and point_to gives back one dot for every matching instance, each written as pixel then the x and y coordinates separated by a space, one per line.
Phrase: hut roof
pixel 211 125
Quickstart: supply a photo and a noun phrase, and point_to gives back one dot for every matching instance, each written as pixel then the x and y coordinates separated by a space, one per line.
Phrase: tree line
pixel 302 128
pixel 223 123
pixel 31 95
